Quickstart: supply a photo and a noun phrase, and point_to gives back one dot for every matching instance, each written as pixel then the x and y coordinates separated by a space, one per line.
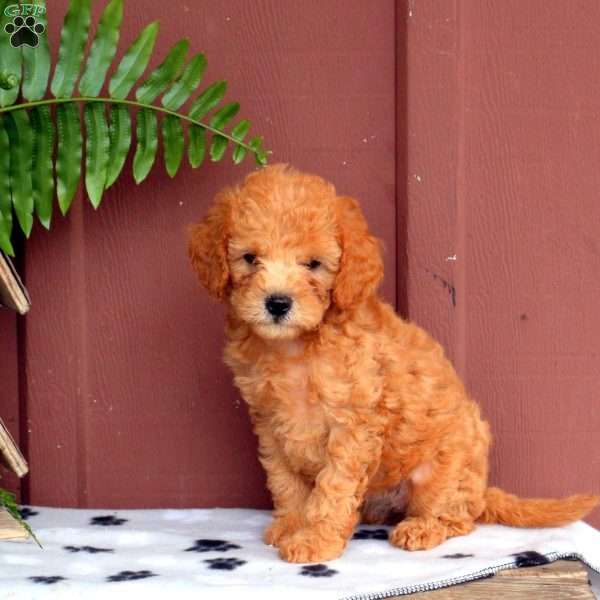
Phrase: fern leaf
pixel 259 153
pixel 27 139
pixel 239 153
pixel 224 115
pixel 42 176
pixel 96 151
pixel 10 61
pixel 68 158
pixel 133 63
pixel 120 141
pixel 9 502
pixel 36 61
pixel 5 196
pixel 160 79
pixel 197 145
pixel 238 133
pixel 173 143
pixel 8 80
pixel 185 86
pixel 72 45
pixel 5 231
pixel 103 49
pixel 20 135
pixel 218 147
pixel 207 100
pixel 147 142
pixel 218 121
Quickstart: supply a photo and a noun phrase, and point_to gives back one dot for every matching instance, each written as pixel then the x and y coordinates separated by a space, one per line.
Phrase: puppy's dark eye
pixel 250 258
pixel 313 264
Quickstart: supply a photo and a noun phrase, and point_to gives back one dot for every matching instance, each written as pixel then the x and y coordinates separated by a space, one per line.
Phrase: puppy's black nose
pixel 277 305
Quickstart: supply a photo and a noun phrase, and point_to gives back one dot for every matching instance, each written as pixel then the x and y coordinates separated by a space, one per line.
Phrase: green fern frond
pixel 43 140
pixel 9 502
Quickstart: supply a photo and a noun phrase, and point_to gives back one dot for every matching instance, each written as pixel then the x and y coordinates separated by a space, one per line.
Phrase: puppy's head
pixel 282 248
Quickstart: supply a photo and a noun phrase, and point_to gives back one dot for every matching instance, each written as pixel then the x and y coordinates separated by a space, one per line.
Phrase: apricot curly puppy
pixel 357 412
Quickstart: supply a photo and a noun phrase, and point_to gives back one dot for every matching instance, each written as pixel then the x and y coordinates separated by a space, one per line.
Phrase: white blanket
pixel 218 554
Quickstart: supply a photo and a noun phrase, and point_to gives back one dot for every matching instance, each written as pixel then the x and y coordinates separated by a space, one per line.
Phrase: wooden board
pixel 561 580
pixel 10 529
pixel 13 293
pixel 11 455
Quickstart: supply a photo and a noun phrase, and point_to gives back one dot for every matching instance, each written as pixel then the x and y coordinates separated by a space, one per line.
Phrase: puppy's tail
pixel 502 507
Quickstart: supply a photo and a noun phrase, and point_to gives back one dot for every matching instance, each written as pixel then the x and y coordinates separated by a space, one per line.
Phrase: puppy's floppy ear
pixel 361 264
pixel 207 248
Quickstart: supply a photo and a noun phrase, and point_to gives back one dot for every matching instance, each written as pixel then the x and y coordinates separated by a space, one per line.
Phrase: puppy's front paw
pixel 306 546
pixel 280 528
pixel 418 533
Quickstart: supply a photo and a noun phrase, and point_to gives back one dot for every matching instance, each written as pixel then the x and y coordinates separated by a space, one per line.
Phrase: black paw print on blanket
pixel 130 575
pixel 224 564
pixel 24 32
pixel 47 580
pixel 318 570
pixel 371 534
pixel 88 549
pixel 107 520
pixel 530 558
pixel 205 545
pixel 27 512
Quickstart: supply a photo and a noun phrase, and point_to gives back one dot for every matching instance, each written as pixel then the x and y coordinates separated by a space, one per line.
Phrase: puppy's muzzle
pixel 278 306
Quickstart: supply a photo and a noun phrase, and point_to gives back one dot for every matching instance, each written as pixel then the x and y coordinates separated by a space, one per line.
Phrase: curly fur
pixel 358 412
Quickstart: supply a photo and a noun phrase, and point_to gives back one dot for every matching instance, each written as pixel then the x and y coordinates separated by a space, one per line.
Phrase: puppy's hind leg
pixel 445 500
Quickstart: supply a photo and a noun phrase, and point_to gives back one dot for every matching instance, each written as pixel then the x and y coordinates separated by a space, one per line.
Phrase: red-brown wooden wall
pixel 466 128
pixel 501 129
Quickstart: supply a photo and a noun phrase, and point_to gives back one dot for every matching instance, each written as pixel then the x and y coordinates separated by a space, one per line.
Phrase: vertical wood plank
pixel 502 118
pixel 533 121
pixel 429 91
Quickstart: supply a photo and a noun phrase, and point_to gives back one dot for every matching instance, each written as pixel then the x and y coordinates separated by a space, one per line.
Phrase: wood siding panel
pixel 520 173
pixel 432 130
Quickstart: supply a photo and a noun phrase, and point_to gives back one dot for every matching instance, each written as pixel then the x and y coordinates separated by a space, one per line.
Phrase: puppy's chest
pixel 297 416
